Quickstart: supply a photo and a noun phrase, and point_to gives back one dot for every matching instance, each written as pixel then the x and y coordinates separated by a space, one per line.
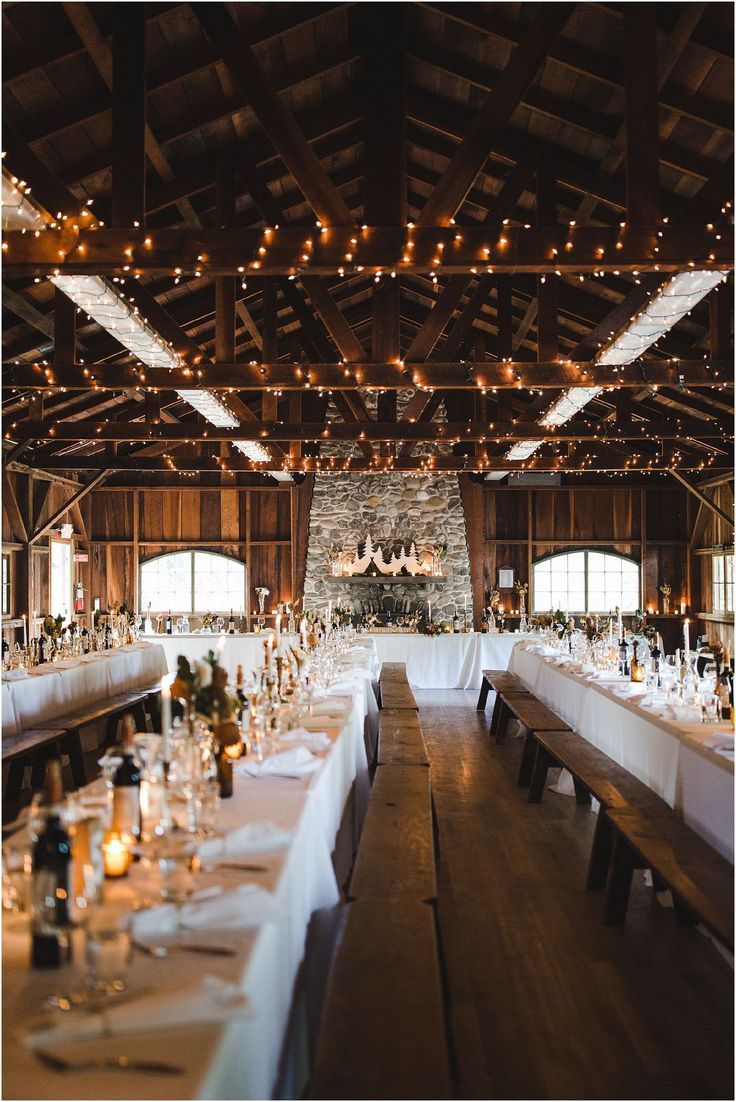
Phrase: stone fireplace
pixel 423 508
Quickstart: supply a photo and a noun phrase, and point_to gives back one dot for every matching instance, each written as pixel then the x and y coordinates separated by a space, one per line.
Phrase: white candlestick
pixel 278 632
pixel 303 630
pixel 620 625
pixel 430 612
pixel 610 631
pixel 25 630
pixel 686 634
pixel 465 602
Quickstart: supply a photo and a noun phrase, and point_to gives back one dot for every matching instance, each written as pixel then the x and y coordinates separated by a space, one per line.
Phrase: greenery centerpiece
pixel 202 690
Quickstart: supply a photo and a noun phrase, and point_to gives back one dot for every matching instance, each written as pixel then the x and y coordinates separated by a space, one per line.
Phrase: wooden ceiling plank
pixel 129 116
pixel 281 127
pixel 494 115
pixel 642 114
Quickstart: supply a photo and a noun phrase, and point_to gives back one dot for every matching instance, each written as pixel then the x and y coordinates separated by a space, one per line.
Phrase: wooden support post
pixel 547 339
pixel 269 331
pixel 225 285
pixel 129 115
pixel 642 114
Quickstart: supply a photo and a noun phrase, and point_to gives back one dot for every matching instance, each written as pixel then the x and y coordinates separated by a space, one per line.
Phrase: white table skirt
pixel 54 689
pixel 439 662
pixel 668 757
pixel 241 1059
pixel 447 661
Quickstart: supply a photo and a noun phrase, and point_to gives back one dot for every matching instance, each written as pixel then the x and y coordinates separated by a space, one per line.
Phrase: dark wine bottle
pixel 231 624
pixel 456 622
pixel 126 786
pixel 52 850
pixel 169 624
pixel 239 685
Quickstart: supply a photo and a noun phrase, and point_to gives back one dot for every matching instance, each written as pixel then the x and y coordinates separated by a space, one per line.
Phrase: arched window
pixel 193 581
pixel 586 581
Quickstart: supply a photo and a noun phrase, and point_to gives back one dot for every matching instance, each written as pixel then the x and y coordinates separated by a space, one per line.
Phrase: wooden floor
pixel 546 1002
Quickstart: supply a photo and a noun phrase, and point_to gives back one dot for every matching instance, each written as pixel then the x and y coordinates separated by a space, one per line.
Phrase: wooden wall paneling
pixel 270 517
pixel 490 499
pixel 270 565
pixel 511 556
pixel 511 515
pixel 230 501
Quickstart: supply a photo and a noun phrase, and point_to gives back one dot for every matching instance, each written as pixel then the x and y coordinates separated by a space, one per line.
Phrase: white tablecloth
pixel 667 756
pixel 234 650
pixel 54 689
pixel 241 1059
pixel 447 661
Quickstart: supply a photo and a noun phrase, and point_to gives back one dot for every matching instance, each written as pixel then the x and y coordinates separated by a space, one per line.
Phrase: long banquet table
pixel 669 756
pixel 432 662
pixel 51 690
pixel 240 1058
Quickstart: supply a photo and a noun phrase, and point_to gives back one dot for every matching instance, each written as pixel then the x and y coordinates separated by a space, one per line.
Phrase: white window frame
pixel 586 551
pixel 722 591
pixel 192 553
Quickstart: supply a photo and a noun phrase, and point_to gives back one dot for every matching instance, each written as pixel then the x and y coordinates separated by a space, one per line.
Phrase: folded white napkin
pixel 204 1001
pixel 14 675
pixel 327 708
pixel 290 763
pixel 251 838
pixel 315 741
pixel 630 688
pixel 217 910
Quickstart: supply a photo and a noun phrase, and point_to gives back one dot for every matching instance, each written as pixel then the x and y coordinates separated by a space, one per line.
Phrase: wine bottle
pixel 623 658
pixel 239 685
pixel 52 850
pixel 126 786
pixel 456 622
pixel 169 624
pixel 231 624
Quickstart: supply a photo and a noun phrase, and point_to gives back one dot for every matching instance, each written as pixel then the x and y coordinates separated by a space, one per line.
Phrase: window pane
pixel 166 583
pixel 560 582
pixel 219 583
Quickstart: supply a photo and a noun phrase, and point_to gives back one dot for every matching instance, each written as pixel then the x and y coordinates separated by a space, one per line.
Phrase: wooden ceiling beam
pixel 494 115
pixel 585 460
pixel 280 126
pixel 327 375
pixel 642 114
pixel 129 116
pixel 467 249
pixel 53 430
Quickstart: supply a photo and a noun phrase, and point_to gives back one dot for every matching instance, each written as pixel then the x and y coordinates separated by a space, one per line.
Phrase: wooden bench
pixel 701 881
pixel 395 690
pixel 400 738
pixel 383 1032
pixel 23 750
pixel 499 681
pixel 534 716
pixel 594 774
pixel 396 851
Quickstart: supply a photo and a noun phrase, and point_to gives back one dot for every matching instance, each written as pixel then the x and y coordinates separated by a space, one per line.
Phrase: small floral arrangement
pixel 208 620
pixel 431 627
pixel 205 687
pixel 562 624
pixel 118 609
pixel 666 590
pixel 522 588
pixel 333 554
pixel 590 628
pixel 52 625
pixel 342 615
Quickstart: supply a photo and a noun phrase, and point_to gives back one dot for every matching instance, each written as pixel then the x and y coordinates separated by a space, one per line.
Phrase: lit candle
pixel 650 610
pixel 500 610
pixel 116 855
pixel 97 604
pixel 278 632
pixel 620 624
pixel 25 630
pixel 683 608
pixel 465 602
pixel 686 635
pixel 610 631
pixel 303 631
pixel 430 612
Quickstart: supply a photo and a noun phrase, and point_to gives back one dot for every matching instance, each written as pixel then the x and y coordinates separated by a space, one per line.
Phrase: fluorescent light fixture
pixel 120 318
pixel 671 303
pixel 19 212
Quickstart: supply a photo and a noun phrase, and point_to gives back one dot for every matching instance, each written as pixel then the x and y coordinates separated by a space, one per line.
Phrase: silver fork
pixel 116 1063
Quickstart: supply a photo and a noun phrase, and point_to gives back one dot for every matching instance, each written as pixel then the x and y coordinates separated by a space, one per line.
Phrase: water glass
pixel 107 951
pixel 710 704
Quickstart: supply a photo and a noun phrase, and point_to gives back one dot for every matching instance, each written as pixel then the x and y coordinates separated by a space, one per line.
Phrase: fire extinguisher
pixel 79 598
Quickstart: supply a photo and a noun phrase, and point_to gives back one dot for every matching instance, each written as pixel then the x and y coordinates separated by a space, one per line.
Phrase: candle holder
pixel 116 854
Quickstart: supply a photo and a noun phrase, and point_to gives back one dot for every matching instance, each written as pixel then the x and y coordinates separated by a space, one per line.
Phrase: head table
pixel 688 763
pixel 448 661
pixel 227 1053
pixel 52 689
